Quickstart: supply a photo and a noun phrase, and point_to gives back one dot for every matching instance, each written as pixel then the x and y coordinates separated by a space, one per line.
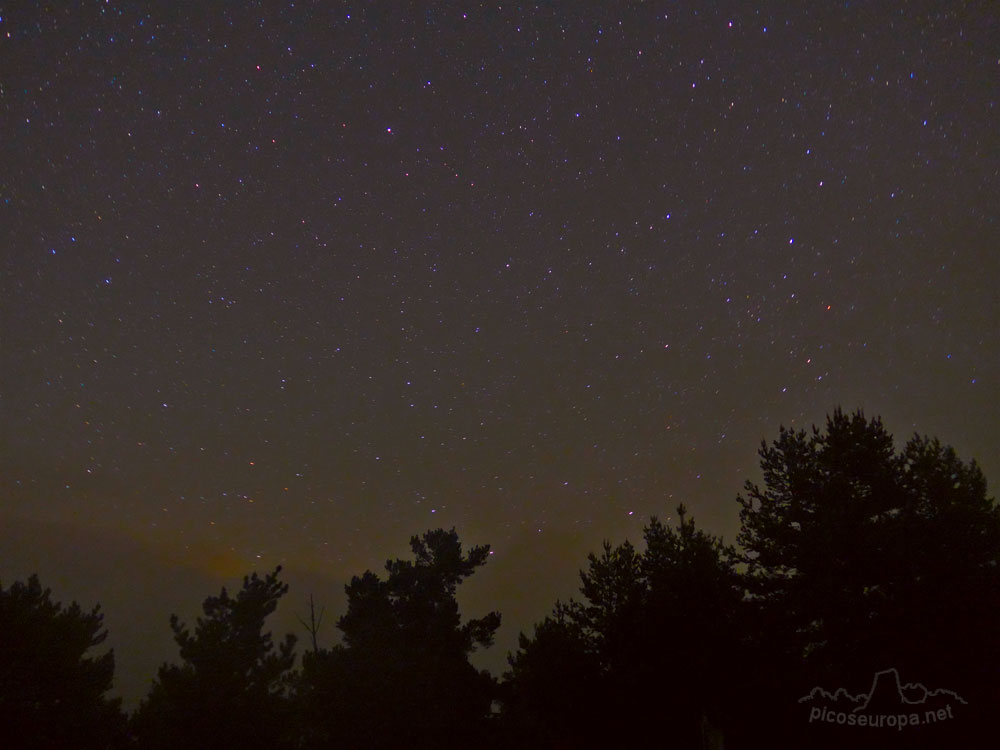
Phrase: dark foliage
pixel 647 654
pixel 52 686
pixel 861 558
pixel 402 676
pixel 857 558
pixel 230 689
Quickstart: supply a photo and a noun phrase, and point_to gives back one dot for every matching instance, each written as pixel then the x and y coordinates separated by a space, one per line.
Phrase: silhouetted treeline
pixel 52 688
pixel 853 559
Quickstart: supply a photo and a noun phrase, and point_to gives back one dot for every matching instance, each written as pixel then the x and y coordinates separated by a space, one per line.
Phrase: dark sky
pixel 288 283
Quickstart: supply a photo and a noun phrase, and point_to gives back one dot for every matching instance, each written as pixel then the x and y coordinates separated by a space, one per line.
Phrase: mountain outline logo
pixel 884 684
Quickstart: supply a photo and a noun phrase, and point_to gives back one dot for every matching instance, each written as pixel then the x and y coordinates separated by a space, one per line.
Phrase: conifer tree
pixel 229 690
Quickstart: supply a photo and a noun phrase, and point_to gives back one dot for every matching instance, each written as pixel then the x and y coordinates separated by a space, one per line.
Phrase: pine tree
pixel 229 690
pixel 52 686
pixel 861 557
pixel 655 635
pixel 402 675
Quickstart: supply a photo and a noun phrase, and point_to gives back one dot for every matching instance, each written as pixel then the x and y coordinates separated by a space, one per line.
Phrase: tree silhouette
pixel 402 675
pixel 314 622
pixel 692 629
pixel 553 694
pixel 655 636
pixel 52 693
pixel 857 557
pixel 229 691
pixel 861 558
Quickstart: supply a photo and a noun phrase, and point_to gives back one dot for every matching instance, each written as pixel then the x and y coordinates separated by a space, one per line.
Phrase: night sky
pixel 288 283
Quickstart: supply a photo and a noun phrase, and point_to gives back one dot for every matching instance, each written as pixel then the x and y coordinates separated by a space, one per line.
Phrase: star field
pixel 289 282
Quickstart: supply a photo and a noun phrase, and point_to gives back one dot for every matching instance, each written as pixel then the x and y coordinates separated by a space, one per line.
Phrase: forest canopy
pixel 855 557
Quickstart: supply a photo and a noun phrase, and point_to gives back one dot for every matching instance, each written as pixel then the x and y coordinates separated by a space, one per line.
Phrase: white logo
pixel 888 703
